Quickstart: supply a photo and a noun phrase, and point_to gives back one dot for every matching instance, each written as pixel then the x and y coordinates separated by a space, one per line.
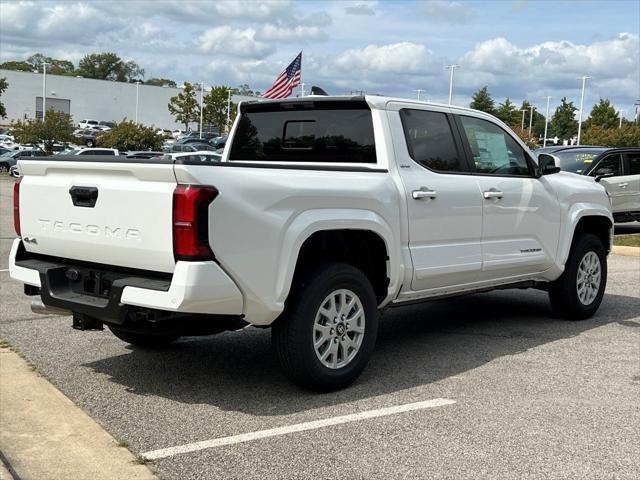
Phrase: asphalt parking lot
pixel 528 396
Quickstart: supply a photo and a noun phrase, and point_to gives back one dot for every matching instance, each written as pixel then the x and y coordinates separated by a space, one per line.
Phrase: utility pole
pixel 451 67
pixel 546 123
pixel 44 89
pixel 201 106
pixel 524 110
pixel 419 92
pixel 228 109
pixel 584 81
pixel 302 89
pixel 137 96
pixel 531 118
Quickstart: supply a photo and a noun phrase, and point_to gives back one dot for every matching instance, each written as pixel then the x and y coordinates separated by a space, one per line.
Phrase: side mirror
pixel 547 164
pixel 604 175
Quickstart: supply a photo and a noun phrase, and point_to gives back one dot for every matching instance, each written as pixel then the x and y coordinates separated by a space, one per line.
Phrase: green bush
pixel 627 136
pixel 128 135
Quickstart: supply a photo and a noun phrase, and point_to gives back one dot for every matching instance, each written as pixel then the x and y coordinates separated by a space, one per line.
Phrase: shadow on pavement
pixel 416 346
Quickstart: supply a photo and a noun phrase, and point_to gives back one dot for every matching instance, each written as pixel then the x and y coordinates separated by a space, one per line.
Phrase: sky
pixel 522 49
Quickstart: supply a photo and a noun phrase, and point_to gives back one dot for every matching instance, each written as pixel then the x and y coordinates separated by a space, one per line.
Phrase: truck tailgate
pixel 115 213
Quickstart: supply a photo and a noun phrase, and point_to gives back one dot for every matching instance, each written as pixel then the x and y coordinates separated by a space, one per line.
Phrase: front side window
pixel 305 132
pixel 493 151
pixel 430 140
pixel 611 165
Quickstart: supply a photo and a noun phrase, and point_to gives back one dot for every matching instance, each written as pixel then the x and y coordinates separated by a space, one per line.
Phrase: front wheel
pixel 328 331
pixel 143 340
pixel 577 294
pixel 90 143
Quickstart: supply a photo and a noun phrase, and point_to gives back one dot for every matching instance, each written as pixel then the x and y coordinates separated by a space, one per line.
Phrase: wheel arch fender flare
pixel 578 212
pixel 303 226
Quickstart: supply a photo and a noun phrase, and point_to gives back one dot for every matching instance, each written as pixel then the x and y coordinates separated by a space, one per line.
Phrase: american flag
pixel 288 79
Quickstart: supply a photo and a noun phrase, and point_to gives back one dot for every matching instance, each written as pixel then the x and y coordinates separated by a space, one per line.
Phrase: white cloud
pixel 397 58
pixel 229 41
pixel 359 9
pixel 445 11
pixel 301 34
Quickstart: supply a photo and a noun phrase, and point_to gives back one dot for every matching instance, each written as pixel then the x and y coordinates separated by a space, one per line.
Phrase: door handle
pixel 623 185
pixel 492 194
pixel 424 192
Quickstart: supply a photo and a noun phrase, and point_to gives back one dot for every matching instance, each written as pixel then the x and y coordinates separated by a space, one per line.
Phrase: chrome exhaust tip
pixel 38 307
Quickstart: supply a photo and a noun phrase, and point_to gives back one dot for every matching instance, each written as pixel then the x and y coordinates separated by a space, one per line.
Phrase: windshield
pixel 577 161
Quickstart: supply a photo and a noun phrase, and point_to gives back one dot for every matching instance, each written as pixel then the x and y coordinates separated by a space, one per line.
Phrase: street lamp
pixel 419 91
pixel 546 123
pixel 201 106
pixel 584 81
pixel 451 67
pixel 44 89
pixel 229 106
pixel 531 118
pixel 620 112
pixel 137 96
pixel 524 110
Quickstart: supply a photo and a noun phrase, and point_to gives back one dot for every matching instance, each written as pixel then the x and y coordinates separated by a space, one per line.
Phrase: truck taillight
pixel 16 205
pixel 191 222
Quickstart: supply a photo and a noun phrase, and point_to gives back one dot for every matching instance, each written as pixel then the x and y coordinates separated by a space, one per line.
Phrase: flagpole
pixel 301 84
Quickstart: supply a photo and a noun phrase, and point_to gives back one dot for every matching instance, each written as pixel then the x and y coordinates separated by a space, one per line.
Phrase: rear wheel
pixel 90 143
pixel 577 294
pixel 4 168
pixel 143 340
pixel 328 331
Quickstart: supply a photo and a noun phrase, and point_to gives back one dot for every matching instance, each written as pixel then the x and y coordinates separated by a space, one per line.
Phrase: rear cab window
pixel 305 131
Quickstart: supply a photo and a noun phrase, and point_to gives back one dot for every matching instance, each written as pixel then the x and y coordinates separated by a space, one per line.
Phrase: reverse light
pixel 16 206
pixel 191 222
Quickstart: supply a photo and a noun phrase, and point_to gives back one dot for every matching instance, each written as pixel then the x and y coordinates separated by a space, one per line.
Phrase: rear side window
pixel 430 140
pixel 634 163
pixel 305 132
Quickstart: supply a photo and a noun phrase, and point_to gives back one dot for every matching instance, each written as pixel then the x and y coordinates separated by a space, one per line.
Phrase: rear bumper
pixel 194 287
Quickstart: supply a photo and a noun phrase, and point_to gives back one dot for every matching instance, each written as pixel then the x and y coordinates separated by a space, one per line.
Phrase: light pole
pixel 531 118
pixel 584 81
pixel 229 106
pixel 137 87
pixel 524 110
pixel 419 91
pixel 546 123
pixel 44 89
pixel 451 67
pixel 201 106
pixel 620 112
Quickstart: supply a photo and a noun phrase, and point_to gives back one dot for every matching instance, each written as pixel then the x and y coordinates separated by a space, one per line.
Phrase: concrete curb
pixel 45 435
pixel 626 251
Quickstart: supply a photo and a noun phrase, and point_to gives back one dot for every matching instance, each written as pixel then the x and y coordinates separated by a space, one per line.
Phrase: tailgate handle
pixel 84 196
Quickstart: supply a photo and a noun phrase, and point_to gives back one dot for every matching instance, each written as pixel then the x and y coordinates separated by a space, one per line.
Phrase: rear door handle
pixel 623 185
pixel 424 192
pixel 492 194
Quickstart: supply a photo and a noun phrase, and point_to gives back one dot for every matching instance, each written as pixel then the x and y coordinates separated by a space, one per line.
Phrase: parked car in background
pixel 4 150
pixel 9 159
pixel 201 157
pixel 86 137
pixel 617 169
pixel 177 133
pixel 189 147
pixel 96 151
pixel 218 142
pixel 106 125
pixel 196 136
pixel 14 171
pixel 86 123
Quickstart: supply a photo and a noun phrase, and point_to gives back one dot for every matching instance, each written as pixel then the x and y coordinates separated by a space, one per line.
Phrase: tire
pixel 143 340
pixel 346 355
pixel 567 298
pixel 90 143
pixel 4 168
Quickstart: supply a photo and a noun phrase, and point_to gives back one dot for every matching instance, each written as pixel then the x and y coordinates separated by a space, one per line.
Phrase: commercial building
pixel 88 98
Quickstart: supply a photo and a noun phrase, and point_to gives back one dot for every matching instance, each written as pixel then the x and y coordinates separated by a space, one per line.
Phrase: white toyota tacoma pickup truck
pixel 323 212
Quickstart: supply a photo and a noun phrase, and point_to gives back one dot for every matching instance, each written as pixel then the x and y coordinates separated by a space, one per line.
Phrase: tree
pixel 537 127
pixel 603 115
pixel 57 127
pixel 563 121
pixel 482 101
pixel 626 136
pixel 184 106
pixel 109 66
pixel 3 86
pixel 215 107
pixel 16 66
pixel 160 82
pixel 128 135
pixel 54 67
pixel 244 89
pixel 523 133
pixel 507 112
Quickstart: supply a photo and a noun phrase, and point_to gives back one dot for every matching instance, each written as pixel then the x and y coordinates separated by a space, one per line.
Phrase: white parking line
pixel 299 427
